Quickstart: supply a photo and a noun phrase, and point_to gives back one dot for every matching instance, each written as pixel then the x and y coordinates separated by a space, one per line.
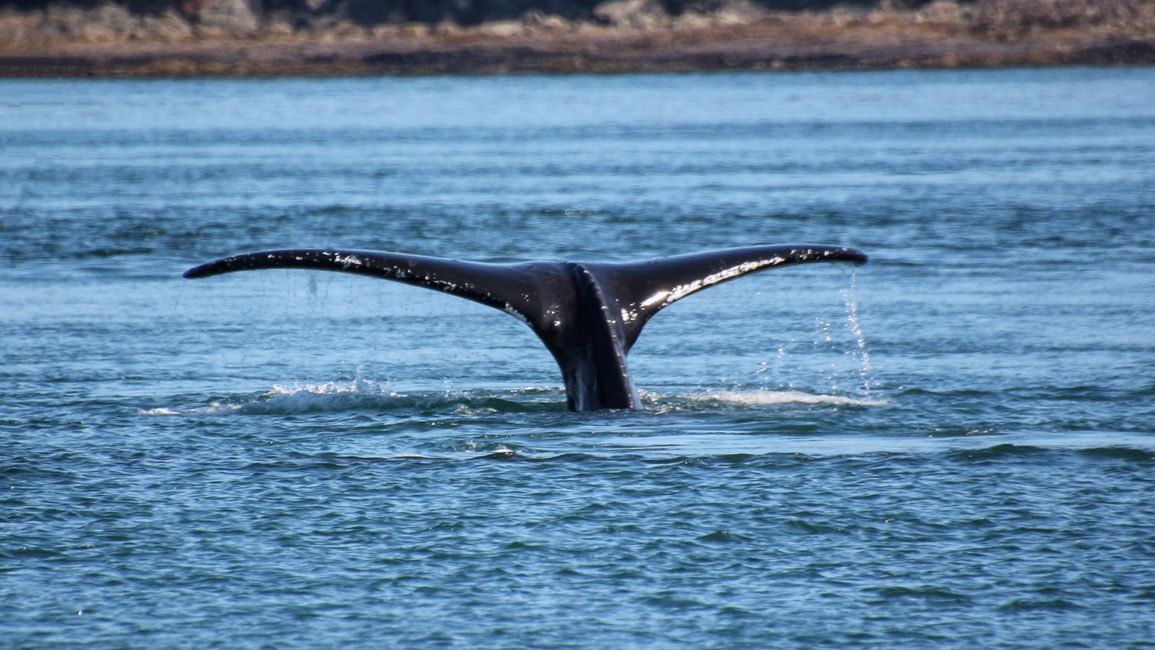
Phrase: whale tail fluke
pixel 588 315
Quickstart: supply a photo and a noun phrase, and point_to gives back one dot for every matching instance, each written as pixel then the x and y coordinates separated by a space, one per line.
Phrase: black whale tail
pixel 587 315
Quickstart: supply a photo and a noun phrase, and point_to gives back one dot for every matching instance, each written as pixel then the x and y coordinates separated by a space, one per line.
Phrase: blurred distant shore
pixel 334 37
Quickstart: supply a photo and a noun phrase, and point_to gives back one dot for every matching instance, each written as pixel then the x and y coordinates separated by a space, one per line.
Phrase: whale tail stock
pixel 588 315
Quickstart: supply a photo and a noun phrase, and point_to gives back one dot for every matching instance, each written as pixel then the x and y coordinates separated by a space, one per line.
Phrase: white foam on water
pixel 328 396
pixel 159 411
pixel 298 398
pixel 765 397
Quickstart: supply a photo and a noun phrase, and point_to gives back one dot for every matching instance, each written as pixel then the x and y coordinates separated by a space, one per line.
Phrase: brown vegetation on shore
pixel 227 37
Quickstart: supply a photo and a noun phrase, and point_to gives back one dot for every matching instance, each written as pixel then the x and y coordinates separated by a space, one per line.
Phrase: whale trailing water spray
pixel 588 315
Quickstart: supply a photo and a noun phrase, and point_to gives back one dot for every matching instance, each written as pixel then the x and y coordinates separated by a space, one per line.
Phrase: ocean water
pixel 951 446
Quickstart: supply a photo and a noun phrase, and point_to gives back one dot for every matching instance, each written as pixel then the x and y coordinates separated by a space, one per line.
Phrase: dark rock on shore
pixel 238 37
pixel 461 12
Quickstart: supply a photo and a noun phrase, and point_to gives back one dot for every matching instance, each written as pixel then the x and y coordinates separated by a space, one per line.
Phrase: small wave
pixel 920 592
pixel 163 410
pixel 307 398
pixel 327 397
pixel 1119 453
pixel 365 394
pixel 999 451
pixel 763 397
pixel 1028 604
pixel 1042 447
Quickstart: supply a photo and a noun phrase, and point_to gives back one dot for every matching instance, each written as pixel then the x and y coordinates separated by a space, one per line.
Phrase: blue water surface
pixel 952 446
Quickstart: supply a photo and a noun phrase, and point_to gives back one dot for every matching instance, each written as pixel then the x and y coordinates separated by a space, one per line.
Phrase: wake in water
pixel 764 397
pixel 367 395
pixel 363 394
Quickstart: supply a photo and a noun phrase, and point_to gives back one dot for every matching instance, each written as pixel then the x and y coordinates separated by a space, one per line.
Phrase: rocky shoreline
pixel 941 34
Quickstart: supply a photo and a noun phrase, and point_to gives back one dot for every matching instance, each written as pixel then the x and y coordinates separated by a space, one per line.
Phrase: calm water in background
pixel 953 446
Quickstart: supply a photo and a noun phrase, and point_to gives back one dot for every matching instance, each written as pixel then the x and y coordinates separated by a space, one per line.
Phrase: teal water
pixel 952 446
